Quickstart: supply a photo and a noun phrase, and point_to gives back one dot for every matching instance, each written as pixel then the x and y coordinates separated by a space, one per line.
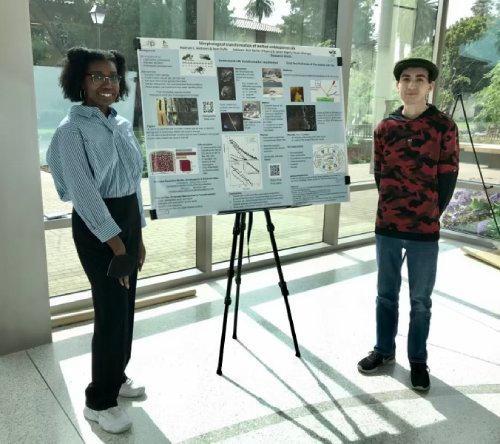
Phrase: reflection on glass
pixel 471 67
pixel 383 33
pixel 293 227
pixel 298 22
pixel 64 270
pixel 57 26
pixel 469 212
pixel 358 215
pixel 170 247
pixel 293 22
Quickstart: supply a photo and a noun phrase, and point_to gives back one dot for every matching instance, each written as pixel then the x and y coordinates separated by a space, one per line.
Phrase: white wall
pixel 24 299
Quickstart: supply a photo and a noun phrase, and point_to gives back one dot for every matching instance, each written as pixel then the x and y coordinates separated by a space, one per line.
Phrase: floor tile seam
pixel 54 396
pixel 363 399
pixel 431 344
pixel 454 301
pixel 436 292
pixel 452 306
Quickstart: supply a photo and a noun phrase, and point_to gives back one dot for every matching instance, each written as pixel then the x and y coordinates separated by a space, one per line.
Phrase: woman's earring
pixel 82 95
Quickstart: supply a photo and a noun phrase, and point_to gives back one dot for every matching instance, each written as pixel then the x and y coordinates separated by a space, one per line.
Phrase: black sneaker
pixel 420 376
pixel 373 361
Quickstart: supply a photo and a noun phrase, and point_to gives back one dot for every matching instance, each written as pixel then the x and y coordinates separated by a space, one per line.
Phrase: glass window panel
pixel 171 246
pixel 57 26
pixel 469 212
pixel 63 266
pixel 383 32
pixel 358 215
pixel 471 67
pixel 163 256
pixel 299 22
pixel 293 227
pixel 293 22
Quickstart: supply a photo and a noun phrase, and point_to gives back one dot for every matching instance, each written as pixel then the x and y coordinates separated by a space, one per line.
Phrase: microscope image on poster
pixel 251 110
pixel 272 82
pixel 301 117
pixel 232 121
pixel 177 111
pixel 227 87
pixel 174 161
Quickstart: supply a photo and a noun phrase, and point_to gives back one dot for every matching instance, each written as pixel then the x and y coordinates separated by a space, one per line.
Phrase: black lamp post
pixel 97 14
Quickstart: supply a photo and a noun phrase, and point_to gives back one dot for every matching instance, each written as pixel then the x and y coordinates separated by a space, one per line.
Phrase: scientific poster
pixel 241 126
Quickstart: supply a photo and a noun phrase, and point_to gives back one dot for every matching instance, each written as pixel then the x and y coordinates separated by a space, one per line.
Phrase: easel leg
pixel 238 273
pixel 227 300
pixel 282 283
pixel 485 188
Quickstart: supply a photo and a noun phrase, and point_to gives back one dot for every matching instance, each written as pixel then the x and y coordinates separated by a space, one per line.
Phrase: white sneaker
pixel 130 390
pixel 112 420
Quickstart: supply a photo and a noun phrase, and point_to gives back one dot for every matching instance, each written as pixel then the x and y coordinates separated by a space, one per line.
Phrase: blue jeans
pixel 421 258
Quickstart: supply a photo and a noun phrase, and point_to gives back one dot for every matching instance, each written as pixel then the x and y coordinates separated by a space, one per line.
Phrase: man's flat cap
pixel 416 63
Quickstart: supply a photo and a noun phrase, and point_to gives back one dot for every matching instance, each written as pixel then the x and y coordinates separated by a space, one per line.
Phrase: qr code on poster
pixel 208 107
pixel 274 170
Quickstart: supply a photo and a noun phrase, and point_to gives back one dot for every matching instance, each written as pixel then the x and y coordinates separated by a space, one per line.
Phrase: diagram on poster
pixel 325 90
pixel 242 162
pixel 236 126
pixel 328 158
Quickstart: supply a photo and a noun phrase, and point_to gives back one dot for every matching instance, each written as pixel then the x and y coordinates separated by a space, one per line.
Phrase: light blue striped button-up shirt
pixel 93 157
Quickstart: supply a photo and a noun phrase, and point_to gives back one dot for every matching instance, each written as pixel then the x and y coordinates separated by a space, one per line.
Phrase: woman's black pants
pixel 113 303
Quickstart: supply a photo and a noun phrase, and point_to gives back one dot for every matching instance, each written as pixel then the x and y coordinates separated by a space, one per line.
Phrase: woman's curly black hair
pixel 75 67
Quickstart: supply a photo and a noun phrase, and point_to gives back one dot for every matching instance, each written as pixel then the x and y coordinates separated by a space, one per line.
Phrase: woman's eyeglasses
pixel 98 78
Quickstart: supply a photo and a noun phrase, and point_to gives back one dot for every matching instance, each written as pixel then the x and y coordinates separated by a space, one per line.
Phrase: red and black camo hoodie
pixel 416 169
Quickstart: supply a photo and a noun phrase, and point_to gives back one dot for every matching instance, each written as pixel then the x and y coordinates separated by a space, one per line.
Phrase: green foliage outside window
pixel 470 66
pixel 488 100
pixel 58 25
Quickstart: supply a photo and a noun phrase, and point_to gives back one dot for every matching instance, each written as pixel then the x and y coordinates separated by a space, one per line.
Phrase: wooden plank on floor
pixel 489 257
pixel 150 301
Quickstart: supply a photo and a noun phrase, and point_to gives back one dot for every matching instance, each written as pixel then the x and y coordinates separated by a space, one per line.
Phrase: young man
pixel 416 168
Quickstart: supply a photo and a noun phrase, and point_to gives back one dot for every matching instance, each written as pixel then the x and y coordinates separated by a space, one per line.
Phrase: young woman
pixel 96 164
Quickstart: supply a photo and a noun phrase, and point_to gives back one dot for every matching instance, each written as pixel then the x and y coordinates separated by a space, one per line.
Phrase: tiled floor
pixel 267 394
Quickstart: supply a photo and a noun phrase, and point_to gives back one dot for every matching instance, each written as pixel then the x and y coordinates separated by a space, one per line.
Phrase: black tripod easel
pixel 460 99
pixel 238 238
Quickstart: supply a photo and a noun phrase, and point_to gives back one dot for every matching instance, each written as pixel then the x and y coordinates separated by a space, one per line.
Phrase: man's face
pixel 414 86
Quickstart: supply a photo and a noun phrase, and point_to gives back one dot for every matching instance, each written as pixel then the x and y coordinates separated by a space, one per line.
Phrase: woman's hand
pixel 142 254
pixel 116 244
pixel 124 282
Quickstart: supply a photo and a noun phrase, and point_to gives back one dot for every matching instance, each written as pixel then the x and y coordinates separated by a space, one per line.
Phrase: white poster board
pixel 241 126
